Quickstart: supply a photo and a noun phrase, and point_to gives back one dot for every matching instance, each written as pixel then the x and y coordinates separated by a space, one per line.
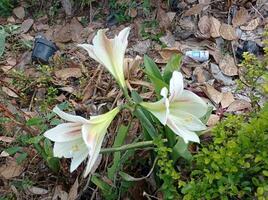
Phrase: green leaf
pixel 12 150
pixel 145 122
pixel 21 157
pixel 136 97
pixel 119 140
pixel 172 65
pixel 107 190
pixel 154 74
pixel 151 67
pixel 180 149
pixel 205 118
pixel 35 140
pixel 48 147
pixel 53 163
pixel 35 121
pixel 2 40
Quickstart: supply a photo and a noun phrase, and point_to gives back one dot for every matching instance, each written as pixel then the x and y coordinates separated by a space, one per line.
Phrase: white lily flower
pixel 110 52
pixel 79 137
pixel 180 111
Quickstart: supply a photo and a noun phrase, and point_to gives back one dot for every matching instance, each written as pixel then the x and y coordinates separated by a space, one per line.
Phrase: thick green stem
pixel 130 146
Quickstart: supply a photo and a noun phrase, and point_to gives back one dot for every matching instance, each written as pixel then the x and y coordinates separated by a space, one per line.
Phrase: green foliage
pixel 166 171
pixel 150 30
pixel 2 40
pixel 234 165
pixel 6 7
pixel 254 73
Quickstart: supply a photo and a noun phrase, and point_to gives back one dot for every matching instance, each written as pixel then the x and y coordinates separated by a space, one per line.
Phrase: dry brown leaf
pixel 66 73
pixel 6 139
pixel 215 25
pixel 37 190
pixel 166 53
pixel 59 193
pixel 11 169
pixel 212 93
pixel 253 24
pixel 9 92
pixel 238 105
pixel 26 25
pixel 204 25
pixel 196 9
pixel 241 17
pixel 74 190
pixel 213 120
pixel 76 30
pixel 132 12
pixel 62 33
pixel 228 66
pixel 227 99
pixel 19 12
pixel 171 15
pixel 227 32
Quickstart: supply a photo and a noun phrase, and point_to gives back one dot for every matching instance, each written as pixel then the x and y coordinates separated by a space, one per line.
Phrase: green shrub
pixel 235 164
pixel 6 7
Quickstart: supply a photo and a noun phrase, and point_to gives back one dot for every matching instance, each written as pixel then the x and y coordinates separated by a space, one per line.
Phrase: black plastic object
pixel 43 49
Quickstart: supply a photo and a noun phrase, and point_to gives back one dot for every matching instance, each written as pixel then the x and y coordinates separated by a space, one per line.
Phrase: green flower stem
pixel 130 146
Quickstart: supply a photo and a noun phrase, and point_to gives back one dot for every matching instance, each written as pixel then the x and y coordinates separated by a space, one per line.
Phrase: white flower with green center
pixel 181 111
pixel 79 137
pixel 110 52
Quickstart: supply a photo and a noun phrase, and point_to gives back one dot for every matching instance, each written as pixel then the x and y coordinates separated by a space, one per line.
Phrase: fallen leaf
pixel 76 30
pixel 74 190
pixel 253 24
pixel 227 32
pixel 166 53
pixel 6 139
pixel 132 12
pixel 9 92
pixel 171 15
pixel 227 99
pixel 163 19
pixel 201 75
pixel 240 17
pixel 62 33
pixel 213 120
pixel 142 46
pixel 212 93
pixel 168 39
pixel 37 190
pixel 4 154
pixel 219 76
pixel 11 169
pixel 66 73
pixel 215 25
pixel 204 25
pixel 67 5
pixel 59 193
pixel 26 25
pixel 228 66
pixel 196 9
pixel 238 105
pixel 19 12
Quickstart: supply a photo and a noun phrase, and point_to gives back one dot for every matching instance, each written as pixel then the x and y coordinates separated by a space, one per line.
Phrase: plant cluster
pixel 234 165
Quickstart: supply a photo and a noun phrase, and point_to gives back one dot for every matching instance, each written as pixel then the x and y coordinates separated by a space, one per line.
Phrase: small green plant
pixel 254 73
pixel 166 171
pixel 6 7
pixel 234 165
pixel 150 30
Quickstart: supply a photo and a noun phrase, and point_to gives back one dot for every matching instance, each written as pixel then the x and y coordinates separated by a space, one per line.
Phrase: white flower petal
pixel 187 120
pixel 175 86
pixel 183 132
pixel 123 35
pixel 69 149
pixel 64 132
pixel 78 159
pixel 94 153
pixel 191 103
pixel 90 49
pixel 158 109
pixel 69 117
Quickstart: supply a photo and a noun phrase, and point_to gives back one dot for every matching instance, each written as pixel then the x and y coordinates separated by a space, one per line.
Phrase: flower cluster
pixel 80 138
